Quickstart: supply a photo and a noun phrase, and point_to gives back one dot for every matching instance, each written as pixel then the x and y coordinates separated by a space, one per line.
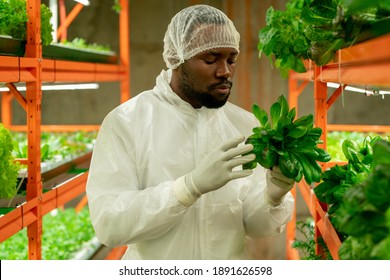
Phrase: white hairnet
pixel 196 29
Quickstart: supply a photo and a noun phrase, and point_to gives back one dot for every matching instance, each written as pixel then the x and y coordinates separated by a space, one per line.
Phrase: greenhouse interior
pixel 313 75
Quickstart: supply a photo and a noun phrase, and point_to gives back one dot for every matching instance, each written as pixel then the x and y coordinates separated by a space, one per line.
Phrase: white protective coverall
pixel 147 143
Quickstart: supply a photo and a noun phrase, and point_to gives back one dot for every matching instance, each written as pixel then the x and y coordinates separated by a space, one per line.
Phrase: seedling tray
pixel 51 177
pixel 12 47
pixel 59 51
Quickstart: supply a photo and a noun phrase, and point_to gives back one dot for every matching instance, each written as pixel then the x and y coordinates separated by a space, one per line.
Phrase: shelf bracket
pixel 335 95
pixel 67 20
pixel 18 96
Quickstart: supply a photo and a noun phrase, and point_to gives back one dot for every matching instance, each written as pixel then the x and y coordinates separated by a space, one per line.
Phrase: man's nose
pixel 224 70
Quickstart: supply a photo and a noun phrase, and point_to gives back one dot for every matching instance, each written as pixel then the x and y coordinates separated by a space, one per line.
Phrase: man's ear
pixel 175 77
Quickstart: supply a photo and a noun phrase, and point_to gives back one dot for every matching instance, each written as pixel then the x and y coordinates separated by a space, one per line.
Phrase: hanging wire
pixel 342 85
pixel 311 70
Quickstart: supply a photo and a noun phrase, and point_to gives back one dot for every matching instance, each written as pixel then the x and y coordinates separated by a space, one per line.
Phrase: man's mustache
pixel 225 83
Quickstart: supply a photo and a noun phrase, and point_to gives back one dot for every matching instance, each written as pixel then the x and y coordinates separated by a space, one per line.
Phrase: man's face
pixel 206 79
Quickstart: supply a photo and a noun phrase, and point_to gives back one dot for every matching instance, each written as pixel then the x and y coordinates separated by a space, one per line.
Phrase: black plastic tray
pixel 58 51
pixel 11 46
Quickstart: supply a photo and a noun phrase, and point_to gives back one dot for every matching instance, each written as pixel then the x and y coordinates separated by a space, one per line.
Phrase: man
pixel 166 177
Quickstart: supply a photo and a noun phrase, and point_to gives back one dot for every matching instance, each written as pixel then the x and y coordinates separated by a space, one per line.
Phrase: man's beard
pixel 203 98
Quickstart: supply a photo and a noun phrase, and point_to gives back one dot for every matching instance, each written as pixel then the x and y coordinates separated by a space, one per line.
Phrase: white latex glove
pixel 214 171
pixel 278 185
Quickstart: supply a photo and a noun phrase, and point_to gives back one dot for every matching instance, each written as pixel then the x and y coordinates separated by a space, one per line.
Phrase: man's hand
pixel 278 185
pixel 216 169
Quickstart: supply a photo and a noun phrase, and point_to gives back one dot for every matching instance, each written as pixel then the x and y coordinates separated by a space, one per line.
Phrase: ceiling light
pixel 366 91
pixel 84 2
pixel 58 87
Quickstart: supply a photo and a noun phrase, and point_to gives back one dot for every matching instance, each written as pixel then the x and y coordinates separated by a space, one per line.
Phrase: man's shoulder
pixel 130 109
pixel 240 116
pixel 135 103
pixel 237 110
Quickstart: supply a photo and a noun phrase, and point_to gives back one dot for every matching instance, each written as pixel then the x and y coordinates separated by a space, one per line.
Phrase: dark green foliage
pixel 8 168
pixel 363 215
pixel 64 234
pixel 335 139
pixel 46 26
pixel 13 20
pixel 81 43
pixel 282 38
pixel 307 245
pixel 316 29
pixel 358 195
pixel 56 145
pixel 116 7
pixel 339 179
pixel 291 144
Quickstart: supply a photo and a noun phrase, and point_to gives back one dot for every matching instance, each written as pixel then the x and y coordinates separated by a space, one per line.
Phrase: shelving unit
pixel 366 63
pixel 33 70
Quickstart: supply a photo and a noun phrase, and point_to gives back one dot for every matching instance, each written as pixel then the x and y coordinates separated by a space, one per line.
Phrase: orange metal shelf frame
pixel 24 215
pixel 367 63
pixel 33 70
pixel 18 69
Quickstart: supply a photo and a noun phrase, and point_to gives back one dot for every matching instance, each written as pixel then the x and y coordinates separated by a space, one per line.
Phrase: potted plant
pixel 65 153
pixel 9 169
pixel 75 241
pixel 13 20
pixel 80 50
pixel 316 29
pixel 13 33
pixel 13 26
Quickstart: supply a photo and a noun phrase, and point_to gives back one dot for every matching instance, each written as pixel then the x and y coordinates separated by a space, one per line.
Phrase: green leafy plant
pixel 287 142
pixel 56 146
pixel 316 29
pixel 81 43
pixel 335 139
pixel 283 40
pixel 324 26
pixel 364 214
pixel 307 245
pixel 13 20
pixel 46 26
pixel 8 167
pixel 116 7
pixel 337 180
pixel 64 233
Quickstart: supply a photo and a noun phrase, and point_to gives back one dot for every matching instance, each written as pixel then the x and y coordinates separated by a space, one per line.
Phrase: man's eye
pixel 209 61
pixel 232 61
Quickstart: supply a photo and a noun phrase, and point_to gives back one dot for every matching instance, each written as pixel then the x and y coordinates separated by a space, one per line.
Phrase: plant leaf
pixel 260 114
pixel 275 114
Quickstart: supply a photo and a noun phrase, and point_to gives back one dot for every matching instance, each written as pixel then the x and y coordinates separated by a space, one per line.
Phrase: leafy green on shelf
pixel 337 180
pixel 13 20
pixel 9 169
pixel 287 142
pixel 81 43
pixel 335 140
pixel 307 244
pixel 283 39
pixel 316 29
pixel 364 214
pixel 116 7
pixel 46 26
pixel 59 145
pixel 64 233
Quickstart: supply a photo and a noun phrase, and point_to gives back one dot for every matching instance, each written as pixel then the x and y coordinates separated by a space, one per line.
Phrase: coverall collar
pixel 165 92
